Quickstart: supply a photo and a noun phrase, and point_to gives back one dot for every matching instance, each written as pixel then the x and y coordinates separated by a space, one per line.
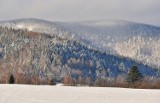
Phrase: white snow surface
pixel 66 94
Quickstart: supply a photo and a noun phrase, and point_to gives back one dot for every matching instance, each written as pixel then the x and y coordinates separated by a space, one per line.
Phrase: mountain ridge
pixel 104 20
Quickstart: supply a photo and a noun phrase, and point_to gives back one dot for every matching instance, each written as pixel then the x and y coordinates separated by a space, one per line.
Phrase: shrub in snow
pixel 52 81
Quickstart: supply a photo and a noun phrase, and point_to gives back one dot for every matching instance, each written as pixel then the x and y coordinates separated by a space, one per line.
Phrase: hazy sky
pixel 146 11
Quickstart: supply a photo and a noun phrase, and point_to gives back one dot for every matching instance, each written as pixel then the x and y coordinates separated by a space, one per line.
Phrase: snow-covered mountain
pixel 61 53
pixel 129 39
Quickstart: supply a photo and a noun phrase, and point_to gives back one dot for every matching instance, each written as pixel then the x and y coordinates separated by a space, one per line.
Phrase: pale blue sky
pixel 146 11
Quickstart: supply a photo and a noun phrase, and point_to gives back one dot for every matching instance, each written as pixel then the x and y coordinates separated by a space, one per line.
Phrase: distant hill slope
pixel 129 39
pixel 45 56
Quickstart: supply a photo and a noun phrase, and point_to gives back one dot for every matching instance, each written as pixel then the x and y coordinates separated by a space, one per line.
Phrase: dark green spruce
pixel 134 75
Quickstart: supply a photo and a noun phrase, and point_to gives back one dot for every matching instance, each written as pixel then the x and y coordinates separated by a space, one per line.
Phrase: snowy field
pixel 65 94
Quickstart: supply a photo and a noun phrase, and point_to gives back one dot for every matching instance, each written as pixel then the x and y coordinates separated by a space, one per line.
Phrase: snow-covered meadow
pixel 65 94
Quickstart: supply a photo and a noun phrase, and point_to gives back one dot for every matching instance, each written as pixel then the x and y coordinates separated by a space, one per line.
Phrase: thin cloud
pixel 146 11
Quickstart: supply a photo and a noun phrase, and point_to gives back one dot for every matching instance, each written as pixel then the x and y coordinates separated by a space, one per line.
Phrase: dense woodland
pixel 39 58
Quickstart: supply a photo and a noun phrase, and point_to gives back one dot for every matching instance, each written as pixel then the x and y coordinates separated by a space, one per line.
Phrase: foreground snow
pixel 64 94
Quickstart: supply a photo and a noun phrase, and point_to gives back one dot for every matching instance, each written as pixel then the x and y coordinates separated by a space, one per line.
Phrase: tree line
pixel 134 79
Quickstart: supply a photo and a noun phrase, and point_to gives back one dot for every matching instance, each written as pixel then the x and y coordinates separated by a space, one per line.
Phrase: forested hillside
pixel 37 57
